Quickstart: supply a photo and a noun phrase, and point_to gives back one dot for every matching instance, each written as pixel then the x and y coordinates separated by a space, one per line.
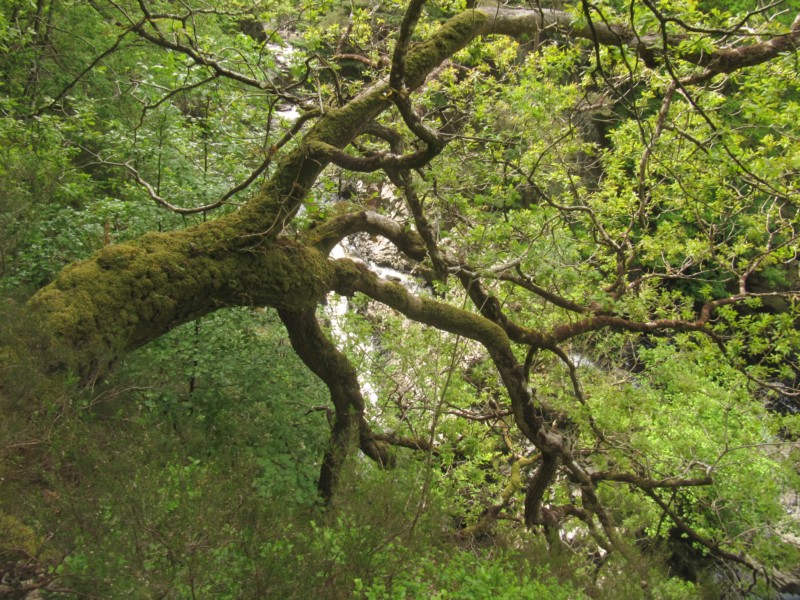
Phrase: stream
pixel 337 307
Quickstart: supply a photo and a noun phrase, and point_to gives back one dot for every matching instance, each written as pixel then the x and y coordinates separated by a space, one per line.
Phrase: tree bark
pixel 128 294
pixel 332 367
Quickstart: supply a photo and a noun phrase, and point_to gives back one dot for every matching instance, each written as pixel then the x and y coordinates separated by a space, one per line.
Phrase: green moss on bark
pixel 451 37
pixel 126 295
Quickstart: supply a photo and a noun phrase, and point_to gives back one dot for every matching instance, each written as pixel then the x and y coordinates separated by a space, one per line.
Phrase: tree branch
pixel 324 360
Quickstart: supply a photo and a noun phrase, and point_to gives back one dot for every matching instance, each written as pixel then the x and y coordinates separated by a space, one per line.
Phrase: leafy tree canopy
pixel 585 348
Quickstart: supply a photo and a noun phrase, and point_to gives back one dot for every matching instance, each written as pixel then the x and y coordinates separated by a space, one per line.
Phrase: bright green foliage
pixel 583 171
pixel 469 576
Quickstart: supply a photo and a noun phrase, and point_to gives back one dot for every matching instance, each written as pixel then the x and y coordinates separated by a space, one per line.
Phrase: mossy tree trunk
pixel 131 293
pixel 128 294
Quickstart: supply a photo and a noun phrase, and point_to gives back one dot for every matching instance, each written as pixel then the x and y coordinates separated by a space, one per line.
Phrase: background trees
pixel 596 204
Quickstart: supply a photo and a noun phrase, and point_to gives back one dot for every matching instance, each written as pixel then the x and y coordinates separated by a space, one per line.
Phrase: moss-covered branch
pixel 518 22
pixel 128 294
pixel 331 366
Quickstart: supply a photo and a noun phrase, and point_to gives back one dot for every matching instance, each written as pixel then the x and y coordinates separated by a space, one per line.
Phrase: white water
pixel 338 306
pixel 290 113
pixel 336 310
pixel 284 57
